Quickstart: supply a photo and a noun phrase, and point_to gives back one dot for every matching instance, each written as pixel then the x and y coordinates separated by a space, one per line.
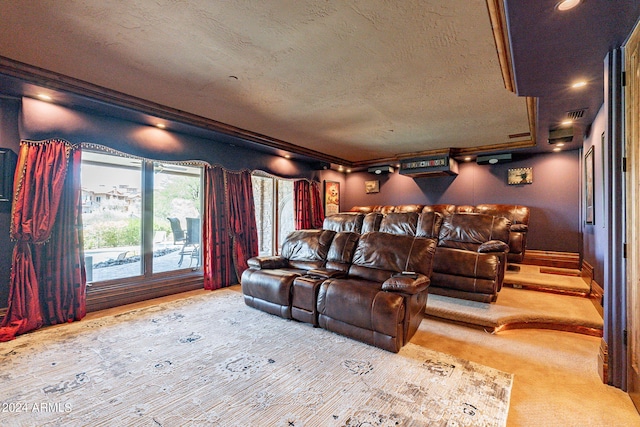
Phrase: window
pixel 273 198
pixel 127 204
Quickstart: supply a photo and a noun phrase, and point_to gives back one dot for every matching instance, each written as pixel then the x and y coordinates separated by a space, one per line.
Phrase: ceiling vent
pixel 493 159
pixel 563 134
pixel 576 114
pixel 380 169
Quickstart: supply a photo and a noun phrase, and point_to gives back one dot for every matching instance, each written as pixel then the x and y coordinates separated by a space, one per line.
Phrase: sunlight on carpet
pixel 211 360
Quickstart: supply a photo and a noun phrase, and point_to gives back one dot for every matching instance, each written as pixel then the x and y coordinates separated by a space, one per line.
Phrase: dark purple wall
pixel 42 120
pixel 554 196
pixel 8 139
pixel 595 235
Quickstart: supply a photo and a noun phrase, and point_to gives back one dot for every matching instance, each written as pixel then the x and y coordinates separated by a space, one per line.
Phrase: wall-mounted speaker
pixel 493 159
pixel 380 169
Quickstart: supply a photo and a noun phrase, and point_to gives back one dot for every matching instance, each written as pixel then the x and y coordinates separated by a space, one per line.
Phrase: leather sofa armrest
pixel 326 273
pixel 522 228
pixel 493 246
pixel 406 283
pixel 267 262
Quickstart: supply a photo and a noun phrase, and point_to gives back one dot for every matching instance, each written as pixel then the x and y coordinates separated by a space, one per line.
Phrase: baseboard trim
pixel 552 259
pixel 111 295
pixel 597 292
pixel 603 362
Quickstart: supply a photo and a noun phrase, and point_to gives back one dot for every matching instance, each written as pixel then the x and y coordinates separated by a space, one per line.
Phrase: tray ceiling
pixel 359 81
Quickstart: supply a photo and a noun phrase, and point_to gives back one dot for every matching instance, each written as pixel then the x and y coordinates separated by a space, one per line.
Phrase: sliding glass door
pixel 139 217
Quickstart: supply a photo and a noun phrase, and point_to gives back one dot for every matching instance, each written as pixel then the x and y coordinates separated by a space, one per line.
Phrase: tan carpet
pixel 556 382
pixel 211 360
pixel 530 276
pixel 521 308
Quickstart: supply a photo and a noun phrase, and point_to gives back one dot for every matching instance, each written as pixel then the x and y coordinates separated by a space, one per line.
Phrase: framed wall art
pixel 331 197
pixel 519 176
pixel 588 187
pixel 372 186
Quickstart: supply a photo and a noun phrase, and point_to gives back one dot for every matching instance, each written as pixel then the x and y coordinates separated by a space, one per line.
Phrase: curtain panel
pixel 230 235
pixel 47 283
pixel 308 201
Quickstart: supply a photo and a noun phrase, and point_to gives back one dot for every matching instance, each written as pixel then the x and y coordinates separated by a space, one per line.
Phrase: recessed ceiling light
pixel 161 125
pixel 560 144
pixel 557 149
pixel 44 97
pixel 348 170
pixel 579 84
pixel 567 4
pixel 566 122
pixel 287 156
pixel 467 159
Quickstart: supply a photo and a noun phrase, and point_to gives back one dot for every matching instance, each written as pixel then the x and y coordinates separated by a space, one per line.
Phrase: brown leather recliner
pixel 267 283
pixel 519 217
pixel 375 303
pixel 471 256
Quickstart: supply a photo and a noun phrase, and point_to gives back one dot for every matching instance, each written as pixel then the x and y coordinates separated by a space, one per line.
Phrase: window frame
pixel 275 211
pixel 147 284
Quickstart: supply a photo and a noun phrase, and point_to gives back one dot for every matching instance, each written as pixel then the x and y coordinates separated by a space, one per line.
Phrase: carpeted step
pixel 520 308
pixel 534 277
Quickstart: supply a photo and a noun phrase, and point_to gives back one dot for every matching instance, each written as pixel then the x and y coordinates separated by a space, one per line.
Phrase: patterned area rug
pixel 211 360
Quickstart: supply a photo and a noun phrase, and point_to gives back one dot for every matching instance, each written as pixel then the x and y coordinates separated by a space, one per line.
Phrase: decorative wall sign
pixel 520 176
pixel 331 197
pixel 439 165
pixel 372 186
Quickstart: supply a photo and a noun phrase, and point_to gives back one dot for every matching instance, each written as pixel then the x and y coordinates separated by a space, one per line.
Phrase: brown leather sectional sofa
pixel 471 254
pixel 346 282
pixel 517 214
pixel 367 276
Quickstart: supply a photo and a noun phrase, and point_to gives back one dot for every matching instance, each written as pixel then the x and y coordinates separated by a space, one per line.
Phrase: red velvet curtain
pixel 230 235
pixel 42 290
pixel 216 240
pixel 60 262
pixel 316 205
pixel 242 219
pixel 308 201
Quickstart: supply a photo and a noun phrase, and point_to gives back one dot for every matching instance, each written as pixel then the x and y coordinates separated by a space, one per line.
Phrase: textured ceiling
pixel 358 80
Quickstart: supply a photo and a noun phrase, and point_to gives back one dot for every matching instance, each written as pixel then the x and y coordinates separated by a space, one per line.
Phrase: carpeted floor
pixel 211 360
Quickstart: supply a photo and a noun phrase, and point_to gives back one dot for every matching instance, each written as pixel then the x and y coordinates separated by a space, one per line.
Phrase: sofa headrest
pixel 342 247
pixel 346 221
pixel 515 213
pixel 371 222
pixel 307 245
pixel 362 209
pixel 386 209
pixel 465 209
pixel 400 223
pixel 441 209
pixel 390 252
pixel 468 230
pixel 409 208
pixel 429 224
